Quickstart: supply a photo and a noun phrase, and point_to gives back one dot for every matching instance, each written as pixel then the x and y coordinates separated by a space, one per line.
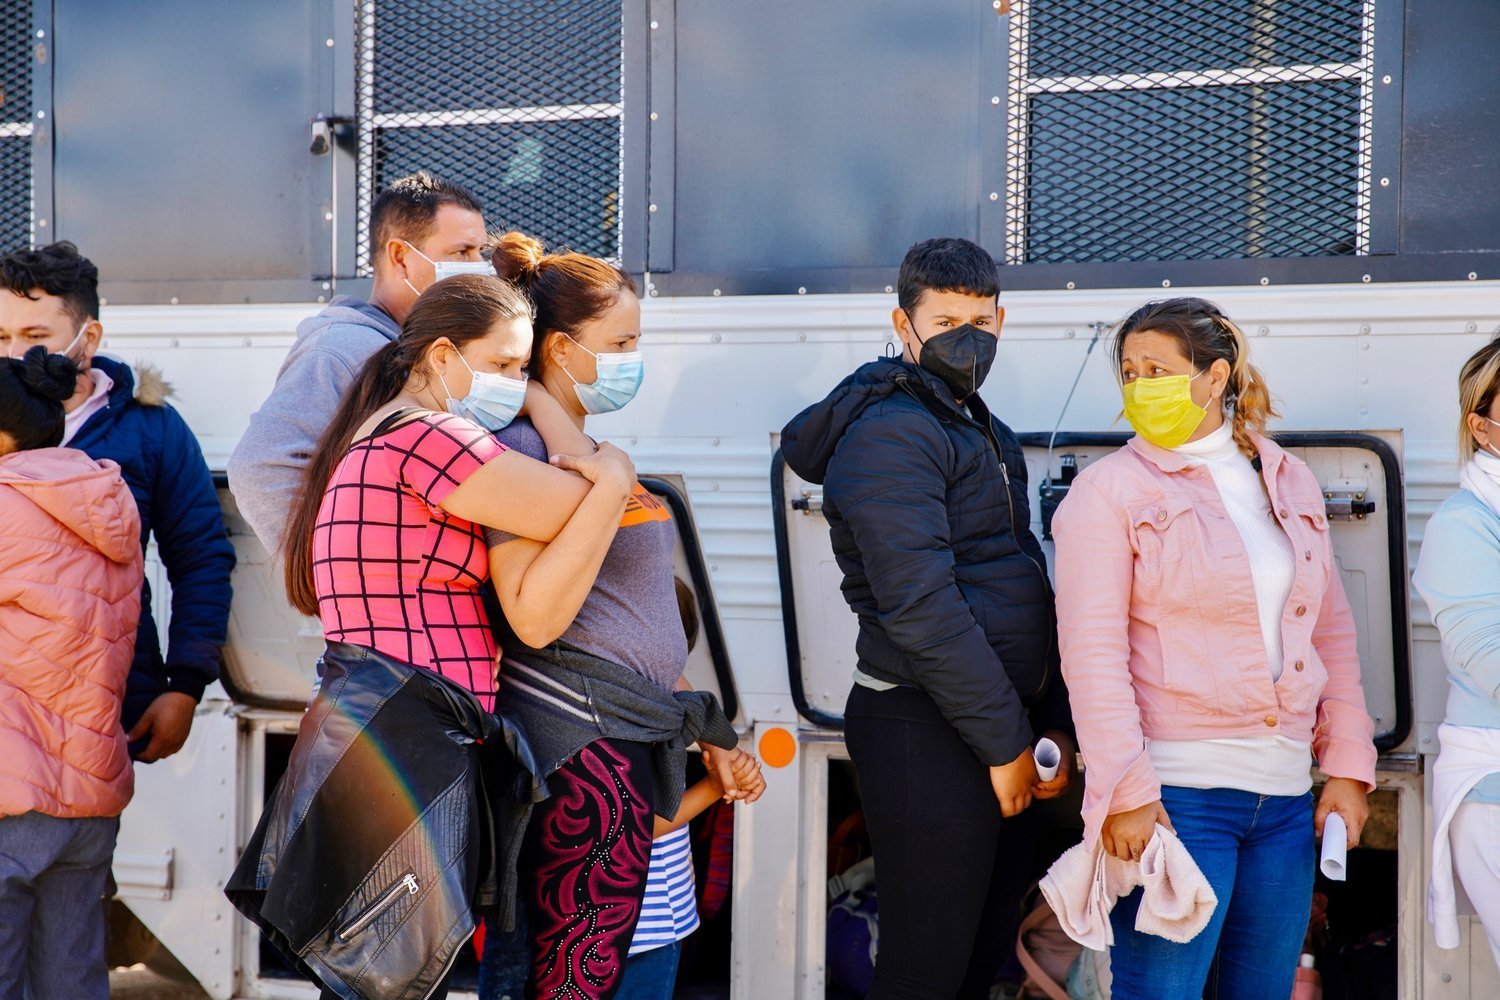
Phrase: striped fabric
pixel 669 912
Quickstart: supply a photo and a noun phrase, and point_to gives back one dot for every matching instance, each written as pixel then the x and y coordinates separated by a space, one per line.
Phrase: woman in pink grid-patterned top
pixel 390 553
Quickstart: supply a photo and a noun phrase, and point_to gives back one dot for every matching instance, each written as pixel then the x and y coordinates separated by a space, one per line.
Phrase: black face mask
pixel 961 357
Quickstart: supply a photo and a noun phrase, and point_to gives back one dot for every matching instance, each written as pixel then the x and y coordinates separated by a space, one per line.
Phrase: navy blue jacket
pixel 930 525
pixel 164 467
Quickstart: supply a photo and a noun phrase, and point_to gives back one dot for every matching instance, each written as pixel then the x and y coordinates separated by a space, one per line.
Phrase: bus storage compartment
pixel 272 654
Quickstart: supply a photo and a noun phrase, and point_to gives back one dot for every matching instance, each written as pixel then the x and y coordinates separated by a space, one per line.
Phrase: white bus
pixel 1320 168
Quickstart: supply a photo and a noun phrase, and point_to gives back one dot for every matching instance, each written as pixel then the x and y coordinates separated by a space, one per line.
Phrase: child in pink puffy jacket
pixel 70 586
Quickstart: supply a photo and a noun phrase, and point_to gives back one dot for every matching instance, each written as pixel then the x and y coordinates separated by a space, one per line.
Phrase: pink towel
pixel 1082 888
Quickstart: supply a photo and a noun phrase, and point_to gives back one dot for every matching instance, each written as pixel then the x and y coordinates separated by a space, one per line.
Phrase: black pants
pixel 949 872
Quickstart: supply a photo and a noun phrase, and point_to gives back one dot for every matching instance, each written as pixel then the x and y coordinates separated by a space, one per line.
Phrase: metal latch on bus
pixel 1347 505
pixel 810 502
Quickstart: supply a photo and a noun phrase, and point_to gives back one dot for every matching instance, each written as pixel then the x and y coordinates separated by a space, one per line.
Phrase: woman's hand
pixel 608 467
pixel 1066 768
pixel 1349 799
pixel 1126 834
pixel 1013 782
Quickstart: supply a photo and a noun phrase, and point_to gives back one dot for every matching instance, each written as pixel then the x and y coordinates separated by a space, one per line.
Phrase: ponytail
pixel 1247 396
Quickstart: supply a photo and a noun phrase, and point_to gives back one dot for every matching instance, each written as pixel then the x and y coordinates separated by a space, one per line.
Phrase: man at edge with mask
pixel 925 496
pixel 422 230
pixel 123 416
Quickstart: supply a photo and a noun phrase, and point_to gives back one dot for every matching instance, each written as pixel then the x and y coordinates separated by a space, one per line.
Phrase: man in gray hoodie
pixel 415 224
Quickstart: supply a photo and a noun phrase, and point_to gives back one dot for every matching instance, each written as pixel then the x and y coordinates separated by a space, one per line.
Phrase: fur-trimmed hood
pixel 151 388
pixel 143 383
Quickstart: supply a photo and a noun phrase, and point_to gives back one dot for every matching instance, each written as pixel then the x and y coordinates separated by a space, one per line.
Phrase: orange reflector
pixel 777 747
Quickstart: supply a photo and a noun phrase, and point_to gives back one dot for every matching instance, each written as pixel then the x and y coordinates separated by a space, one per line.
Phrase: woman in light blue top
pixel 1458 575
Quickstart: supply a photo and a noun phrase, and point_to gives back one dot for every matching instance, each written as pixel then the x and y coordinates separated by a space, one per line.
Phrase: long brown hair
pixel 459 309
pixel 569 289
pixel 1206 335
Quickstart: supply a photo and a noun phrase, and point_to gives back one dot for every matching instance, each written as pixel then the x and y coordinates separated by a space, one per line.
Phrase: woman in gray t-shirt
pixel 588 846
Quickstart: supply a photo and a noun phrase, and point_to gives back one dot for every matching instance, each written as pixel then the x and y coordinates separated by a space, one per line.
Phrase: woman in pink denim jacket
pixel 1210 654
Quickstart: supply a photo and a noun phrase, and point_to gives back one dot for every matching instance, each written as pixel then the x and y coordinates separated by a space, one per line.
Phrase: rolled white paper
pixel 1335 847
pixel 1048 756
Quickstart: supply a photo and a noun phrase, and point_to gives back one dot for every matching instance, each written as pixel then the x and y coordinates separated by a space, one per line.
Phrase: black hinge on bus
pixel 810 502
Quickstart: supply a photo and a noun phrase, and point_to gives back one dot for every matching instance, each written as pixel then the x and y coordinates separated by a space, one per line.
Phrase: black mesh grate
pixel 16 123
pixel 520 102
pixel 1196 130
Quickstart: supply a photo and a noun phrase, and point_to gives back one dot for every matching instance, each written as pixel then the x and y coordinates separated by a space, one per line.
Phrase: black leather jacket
pixel 381 840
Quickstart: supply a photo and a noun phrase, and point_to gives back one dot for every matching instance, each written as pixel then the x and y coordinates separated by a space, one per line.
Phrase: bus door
pixel 819 627
pixel 1364 500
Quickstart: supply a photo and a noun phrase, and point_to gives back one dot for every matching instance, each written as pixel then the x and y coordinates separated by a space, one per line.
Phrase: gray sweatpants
pixel 52 874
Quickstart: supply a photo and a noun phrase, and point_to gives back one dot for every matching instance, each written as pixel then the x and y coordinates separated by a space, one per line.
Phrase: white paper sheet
pixel 1335 847
pixel 1048 756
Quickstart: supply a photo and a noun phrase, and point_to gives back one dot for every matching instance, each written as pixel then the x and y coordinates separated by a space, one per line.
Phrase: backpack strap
pixel 1035 974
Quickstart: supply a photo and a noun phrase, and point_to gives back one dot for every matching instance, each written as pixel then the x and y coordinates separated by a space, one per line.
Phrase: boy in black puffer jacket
pixel 925 495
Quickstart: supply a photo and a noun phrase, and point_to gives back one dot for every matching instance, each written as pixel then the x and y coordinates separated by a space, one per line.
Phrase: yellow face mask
pixel 1162 409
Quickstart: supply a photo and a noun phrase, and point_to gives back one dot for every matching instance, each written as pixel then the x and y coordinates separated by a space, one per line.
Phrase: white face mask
pixel 10 348
pixel 1491 446
pixel 448 268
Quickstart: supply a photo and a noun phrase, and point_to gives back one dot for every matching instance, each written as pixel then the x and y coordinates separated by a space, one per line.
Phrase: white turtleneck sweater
pixel 1271 764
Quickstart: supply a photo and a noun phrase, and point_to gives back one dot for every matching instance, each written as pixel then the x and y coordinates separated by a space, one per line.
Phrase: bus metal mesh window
pixel 1204 129
pixel 519 102
pixel 16 124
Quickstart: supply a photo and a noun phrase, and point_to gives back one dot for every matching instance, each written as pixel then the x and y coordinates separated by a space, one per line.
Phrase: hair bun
pixel 518 258
pixel 51 376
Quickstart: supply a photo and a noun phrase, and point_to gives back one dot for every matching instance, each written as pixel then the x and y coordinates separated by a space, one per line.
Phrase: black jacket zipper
pixel 986 429
pixel 406 885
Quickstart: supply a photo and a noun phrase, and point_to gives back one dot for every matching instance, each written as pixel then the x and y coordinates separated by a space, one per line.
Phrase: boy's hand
pixel 720 764
pixel 747 775
pixel 167 720
pixel 1012 783
pixel 1066 768
pixel 743 768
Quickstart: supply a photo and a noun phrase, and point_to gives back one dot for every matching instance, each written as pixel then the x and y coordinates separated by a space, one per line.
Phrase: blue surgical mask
pixel 617 379
pixel 448 268
pixel 493 400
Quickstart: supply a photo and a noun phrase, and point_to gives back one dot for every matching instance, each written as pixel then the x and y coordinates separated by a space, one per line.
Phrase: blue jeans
pixel 651 975
pixel 1257 852
pixel 506 961
pixel 52 874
